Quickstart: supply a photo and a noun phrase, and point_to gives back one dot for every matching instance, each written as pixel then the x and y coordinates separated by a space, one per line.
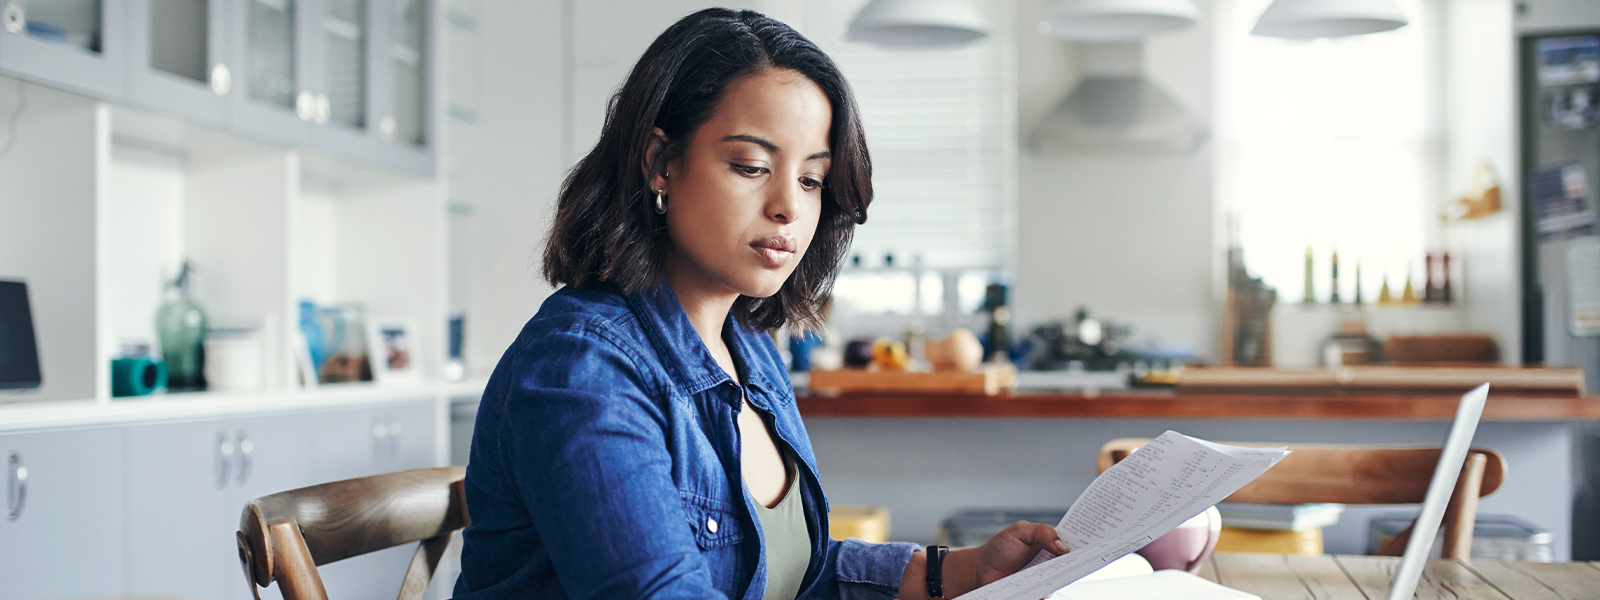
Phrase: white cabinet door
pixel 179 475
pixel 62 530
pixel 369 441
pixel 188 484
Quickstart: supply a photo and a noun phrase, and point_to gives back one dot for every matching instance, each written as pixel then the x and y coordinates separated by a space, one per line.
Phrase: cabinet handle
pixel 323 109
pixel 224 459
pixel 221 79
pixel 394 441
pixel 247 450
pixel 380 442
pixel 15 18
pixel 304 105
pixel 386 128
pixel 17 493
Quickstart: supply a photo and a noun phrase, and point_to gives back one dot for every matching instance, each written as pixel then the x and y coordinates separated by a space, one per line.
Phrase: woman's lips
pixel 775 251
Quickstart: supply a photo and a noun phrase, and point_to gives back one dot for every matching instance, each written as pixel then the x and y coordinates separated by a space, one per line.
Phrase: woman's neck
pixel 707 304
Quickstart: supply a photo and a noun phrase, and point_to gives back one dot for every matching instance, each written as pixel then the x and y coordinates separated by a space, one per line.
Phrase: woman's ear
pixel 652 152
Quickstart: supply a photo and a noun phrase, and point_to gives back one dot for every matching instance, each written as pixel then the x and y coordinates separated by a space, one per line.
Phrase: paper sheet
pixel 1157 488
pixel 1160 585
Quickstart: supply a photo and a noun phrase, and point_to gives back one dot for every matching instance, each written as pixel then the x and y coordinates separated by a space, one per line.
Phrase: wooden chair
pixel 284 537
pixel 1363 475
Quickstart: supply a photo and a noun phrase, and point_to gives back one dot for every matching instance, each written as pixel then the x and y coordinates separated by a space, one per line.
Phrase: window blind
pixel 941 128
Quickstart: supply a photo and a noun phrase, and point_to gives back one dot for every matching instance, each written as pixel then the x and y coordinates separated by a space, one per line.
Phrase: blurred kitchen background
pixel 1103 195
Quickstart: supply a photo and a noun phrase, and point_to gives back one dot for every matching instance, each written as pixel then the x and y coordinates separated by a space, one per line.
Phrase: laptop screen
pixel 19 355
pixel 1454 454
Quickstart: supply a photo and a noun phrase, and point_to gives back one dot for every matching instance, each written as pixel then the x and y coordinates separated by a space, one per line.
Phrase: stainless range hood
pixel 1116 110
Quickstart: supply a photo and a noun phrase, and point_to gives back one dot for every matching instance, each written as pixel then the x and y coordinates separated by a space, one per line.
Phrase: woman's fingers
pixel 1039 535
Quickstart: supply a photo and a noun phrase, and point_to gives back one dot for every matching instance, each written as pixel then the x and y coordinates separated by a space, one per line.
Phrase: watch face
pixel 19 355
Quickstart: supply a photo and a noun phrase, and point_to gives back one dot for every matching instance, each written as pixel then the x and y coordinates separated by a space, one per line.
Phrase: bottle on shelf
pixel 1430 288
pixel 1409 296
pixel 1333 297
pixel 1358 282
pixel 1310 291
pixel 1444 275
pixel 181 328
pixel 1384 295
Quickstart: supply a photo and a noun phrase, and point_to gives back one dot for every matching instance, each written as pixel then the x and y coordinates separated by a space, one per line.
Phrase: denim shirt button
pixel 711 525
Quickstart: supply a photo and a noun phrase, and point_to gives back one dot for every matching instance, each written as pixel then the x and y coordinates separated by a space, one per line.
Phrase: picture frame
pixel 392 349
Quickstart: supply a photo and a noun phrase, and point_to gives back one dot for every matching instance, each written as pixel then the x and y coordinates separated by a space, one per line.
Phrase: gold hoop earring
pixel 661 202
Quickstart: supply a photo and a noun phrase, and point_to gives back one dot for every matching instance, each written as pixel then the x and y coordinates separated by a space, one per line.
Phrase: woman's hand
pixel 968 569
pixel 1012 548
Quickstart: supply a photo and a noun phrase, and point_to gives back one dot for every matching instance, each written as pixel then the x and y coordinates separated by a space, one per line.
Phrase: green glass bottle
pixel 181 327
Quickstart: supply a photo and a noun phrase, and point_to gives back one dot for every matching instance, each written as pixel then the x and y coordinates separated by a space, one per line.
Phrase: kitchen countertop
pixel 1167 403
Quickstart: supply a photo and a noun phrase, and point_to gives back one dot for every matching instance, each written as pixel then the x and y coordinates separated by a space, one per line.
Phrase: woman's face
pixel 744 199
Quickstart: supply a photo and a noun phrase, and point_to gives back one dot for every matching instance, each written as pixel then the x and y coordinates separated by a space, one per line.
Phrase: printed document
pixel 1152 491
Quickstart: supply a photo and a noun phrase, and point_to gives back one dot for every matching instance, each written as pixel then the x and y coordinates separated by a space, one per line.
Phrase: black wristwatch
pixel 935 578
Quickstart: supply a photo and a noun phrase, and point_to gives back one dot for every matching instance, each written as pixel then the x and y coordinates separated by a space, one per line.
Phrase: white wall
pixel 512 159
pixel 1130 237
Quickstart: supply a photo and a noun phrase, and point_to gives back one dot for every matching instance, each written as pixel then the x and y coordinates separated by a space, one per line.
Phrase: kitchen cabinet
pixel 368 441
pixel 53 479
pixel 179 60
pixel 79 45
pixel 406 81
pixel 188 483
pixel 273 99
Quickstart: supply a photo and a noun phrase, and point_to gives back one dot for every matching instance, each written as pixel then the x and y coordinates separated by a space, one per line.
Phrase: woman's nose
pixel 784 205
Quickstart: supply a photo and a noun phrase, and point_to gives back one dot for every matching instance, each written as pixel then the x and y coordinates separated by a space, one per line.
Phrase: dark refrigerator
pixel 1560 106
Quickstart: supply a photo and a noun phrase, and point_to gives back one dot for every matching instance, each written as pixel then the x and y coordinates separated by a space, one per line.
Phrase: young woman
pixel 640 437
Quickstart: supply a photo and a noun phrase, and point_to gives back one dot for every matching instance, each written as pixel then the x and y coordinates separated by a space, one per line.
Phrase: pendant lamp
pixel 1117 20
pixel 1311 19
pixel 918 24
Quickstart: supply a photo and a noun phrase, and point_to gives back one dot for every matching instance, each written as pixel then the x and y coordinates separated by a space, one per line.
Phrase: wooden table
pixel 1280 577
pixel 1168 404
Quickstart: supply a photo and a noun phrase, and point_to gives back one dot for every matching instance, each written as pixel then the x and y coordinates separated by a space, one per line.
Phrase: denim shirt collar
pixel 684 354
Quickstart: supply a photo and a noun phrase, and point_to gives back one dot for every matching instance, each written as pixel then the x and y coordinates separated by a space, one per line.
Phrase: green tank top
pixel 785 541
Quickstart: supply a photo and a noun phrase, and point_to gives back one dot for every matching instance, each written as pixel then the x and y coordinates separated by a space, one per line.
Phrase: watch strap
pixel 935 578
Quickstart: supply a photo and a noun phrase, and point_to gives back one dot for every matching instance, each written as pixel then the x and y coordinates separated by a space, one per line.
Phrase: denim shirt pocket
pixel 713 521
pixel 717 532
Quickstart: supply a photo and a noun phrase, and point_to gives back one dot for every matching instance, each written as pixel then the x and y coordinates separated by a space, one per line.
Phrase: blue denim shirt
pixel 605 464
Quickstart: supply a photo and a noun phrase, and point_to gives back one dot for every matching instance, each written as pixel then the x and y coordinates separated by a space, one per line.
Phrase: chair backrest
pixel 283 537
pixel 1363 475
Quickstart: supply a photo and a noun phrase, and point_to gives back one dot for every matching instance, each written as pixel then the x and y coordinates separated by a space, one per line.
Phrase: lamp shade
pixel 915 24
pixel 1311 19
pixel 1117 20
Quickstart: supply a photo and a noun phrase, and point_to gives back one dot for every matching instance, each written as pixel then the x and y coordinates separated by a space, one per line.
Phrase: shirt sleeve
pixel 585 447
pixel 868 571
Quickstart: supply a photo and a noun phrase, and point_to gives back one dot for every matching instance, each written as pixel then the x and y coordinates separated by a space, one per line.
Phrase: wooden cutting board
pixel 990 379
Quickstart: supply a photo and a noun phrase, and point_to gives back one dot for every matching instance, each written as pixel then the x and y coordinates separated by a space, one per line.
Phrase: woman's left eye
pixel 810 184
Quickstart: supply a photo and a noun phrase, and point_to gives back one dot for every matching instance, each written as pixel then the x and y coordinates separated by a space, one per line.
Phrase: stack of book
pixel 1275 528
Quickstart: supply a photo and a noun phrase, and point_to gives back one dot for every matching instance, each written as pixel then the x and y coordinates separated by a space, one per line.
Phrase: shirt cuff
pixel 872 571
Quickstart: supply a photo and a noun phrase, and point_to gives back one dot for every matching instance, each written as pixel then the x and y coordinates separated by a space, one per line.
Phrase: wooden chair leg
pixel 1460 517
pixel 294 569
pixel 423 563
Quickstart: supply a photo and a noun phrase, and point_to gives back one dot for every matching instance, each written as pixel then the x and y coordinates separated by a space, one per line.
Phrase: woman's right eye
pixel 748 170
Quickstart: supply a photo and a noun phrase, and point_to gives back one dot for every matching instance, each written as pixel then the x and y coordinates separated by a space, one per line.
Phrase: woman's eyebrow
pixel 771 147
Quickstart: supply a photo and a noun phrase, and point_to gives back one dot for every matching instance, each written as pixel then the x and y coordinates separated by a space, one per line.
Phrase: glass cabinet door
pixel 270 42
pixel 408 57
pixel 273 100
pixel 75 23
pixel 179 57
pixel 344 63
pixel 63 41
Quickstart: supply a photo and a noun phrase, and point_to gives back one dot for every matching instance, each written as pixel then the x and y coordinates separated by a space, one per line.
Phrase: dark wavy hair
pixel 606 230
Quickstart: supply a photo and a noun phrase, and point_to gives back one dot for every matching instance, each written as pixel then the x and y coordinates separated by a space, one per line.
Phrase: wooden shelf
pixel 1140 404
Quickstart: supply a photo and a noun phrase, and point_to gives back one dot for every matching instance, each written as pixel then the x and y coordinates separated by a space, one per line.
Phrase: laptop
pixel 19 354
pixel 1454 455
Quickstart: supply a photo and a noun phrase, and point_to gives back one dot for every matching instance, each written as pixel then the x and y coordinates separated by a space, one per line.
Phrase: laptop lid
pixel 1468 412
pixel 19 355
